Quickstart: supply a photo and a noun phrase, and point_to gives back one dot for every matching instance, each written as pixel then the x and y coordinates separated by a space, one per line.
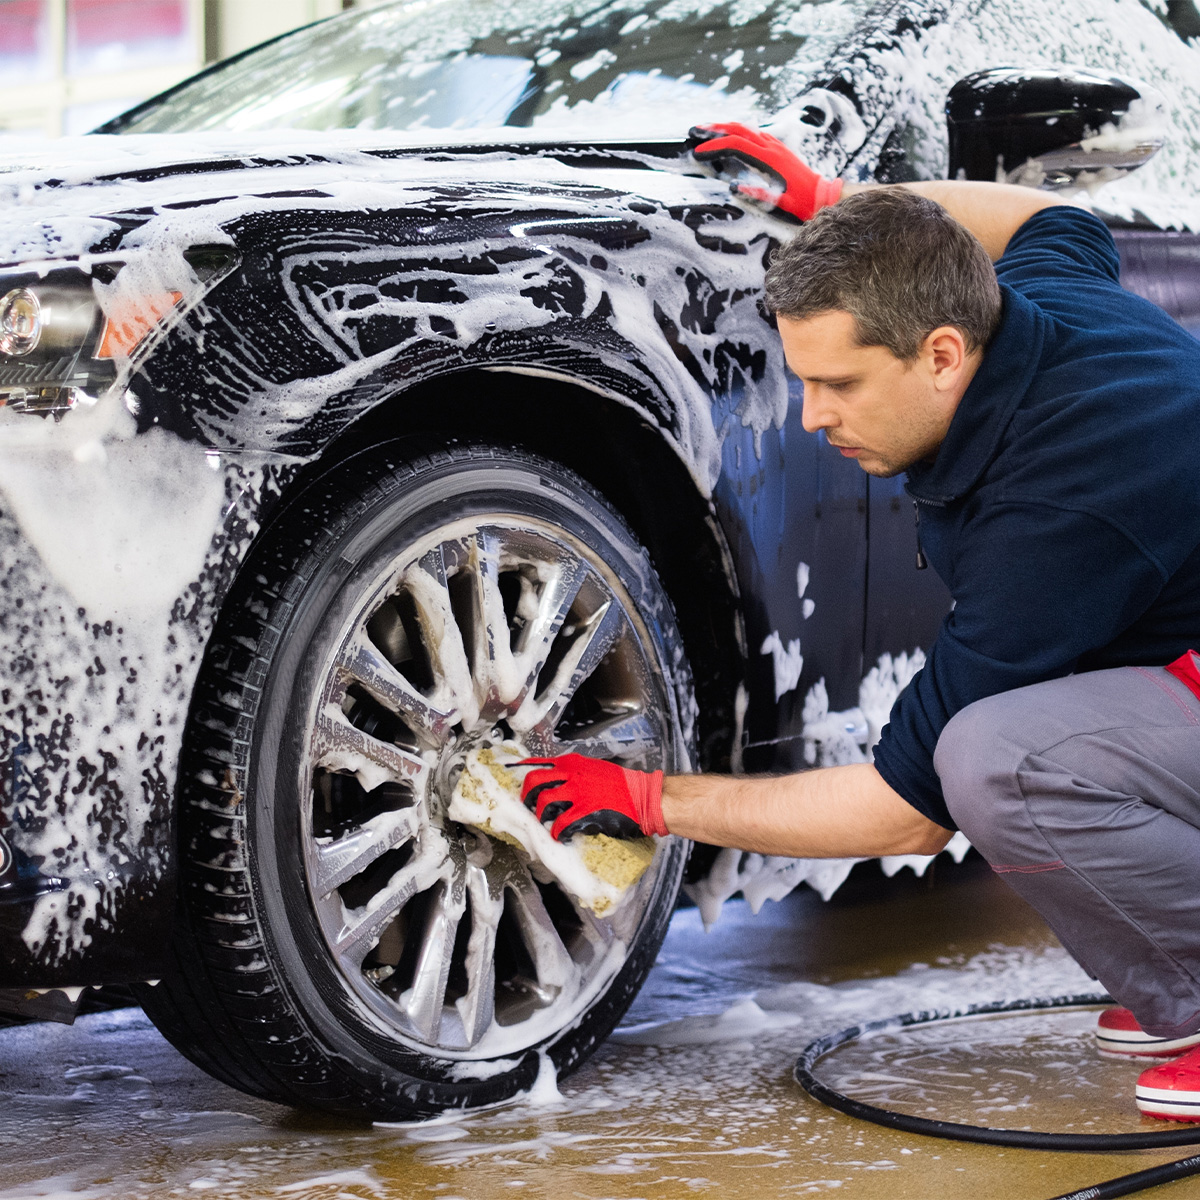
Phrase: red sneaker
pixel 1117 1032
pixel 1171 1090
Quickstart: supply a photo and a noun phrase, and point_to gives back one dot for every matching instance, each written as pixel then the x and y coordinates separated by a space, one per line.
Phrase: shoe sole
pixel 1168 1105
pixel 1135 1044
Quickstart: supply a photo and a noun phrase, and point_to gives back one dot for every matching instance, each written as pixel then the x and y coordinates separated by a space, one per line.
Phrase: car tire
pixel 324 953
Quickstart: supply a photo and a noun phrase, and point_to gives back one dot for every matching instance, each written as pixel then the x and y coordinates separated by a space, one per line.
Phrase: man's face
pixel 874 407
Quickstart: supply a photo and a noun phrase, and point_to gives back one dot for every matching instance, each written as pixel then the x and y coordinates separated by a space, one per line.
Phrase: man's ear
pixel 944 352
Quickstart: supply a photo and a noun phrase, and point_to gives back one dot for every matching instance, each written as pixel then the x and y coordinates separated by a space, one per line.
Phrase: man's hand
pixel 801 191
pixel 589 795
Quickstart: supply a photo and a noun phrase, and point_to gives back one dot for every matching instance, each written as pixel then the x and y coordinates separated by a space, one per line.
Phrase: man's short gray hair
pixel 897 262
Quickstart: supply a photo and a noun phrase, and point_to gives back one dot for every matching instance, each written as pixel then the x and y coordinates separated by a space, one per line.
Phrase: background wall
pixel 68 65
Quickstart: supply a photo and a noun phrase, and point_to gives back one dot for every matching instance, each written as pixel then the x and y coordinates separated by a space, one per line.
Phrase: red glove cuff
pixel 828 191
pixel 645 787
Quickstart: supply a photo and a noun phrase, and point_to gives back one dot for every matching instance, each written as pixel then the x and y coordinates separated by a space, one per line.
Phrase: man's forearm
pixel 836 812
pixel 993 212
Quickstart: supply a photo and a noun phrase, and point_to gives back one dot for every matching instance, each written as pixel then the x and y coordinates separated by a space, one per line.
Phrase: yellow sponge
pixel 597 870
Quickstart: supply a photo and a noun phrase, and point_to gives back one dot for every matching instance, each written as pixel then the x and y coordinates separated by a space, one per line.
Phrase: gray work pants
pixel 1083 794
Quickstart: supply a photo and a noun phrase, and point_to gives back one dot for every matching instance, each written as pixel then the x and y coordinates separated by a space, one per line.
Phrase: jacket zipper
pixel 922 561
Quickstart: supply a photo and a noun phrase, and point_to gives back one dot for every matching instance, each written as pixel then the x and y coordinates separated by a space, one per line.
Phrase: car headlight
pixel 60 347
pixel 20 322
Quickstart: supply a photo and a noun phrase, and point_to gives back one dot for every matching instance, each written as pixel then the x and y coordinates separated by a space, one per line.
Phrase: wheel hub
pixel 451 762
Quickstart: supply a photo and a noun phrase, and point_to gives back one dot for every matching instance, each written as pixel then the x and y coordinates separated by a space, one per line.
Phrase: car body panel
pixel 91 718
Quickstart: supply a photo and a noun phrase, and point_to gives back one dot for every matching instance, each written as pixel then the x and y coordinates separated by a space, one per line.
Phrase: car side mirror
pixel 1053 129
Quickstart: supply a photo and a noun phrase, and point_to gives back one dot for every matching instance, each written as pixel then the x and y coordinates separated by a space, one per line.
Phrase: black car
pixel 402 387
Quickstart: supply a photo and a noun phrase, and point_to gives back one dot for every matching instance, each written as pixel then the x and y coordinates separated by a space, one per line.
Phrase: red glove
pixel 802 192
pixel 589 795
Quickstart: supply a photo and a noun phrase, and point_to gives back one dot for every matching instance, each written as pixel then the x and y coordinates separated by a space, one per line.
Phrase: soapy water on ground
pixel 692 1096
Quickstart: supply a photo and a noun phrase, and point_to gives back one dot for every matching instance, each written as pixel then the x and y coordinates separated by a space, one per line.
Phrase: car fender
pixel 656 298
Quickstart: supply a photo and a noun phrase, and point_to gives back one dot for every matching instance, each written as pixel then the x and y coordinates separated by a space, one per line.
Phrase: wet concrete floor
pixel 693 1096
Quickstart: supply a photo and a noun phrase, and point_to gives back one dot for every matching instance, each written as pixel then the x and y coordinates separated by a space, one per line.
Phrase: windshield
pixel 622 68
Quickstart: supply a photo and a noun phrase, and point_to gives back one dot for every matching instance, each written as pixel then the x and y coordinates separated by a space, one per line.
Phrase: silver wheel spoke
pixel 598 934
pixel 541 631
pixel 364 926
pixel 493 652
pixel 597 637
pixel 363 663
pixel 443 639
pixel 424 1001
pixel 478 1006
pixel 551 959
pixel 339 746
pixel 341 859
pixel 624 736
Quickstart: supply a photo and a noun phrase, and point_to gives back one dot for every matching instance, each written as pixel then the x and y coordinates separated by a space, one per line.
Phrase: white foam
pixel 908 86
pixel 830 739
pixel 787 661
pixel 125 528
pixel 997 974
pixel 544 1093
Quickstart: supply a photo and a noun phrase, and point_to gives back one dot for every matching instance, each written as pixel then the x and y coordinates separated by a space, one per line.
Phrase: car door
pixel 796 514
pixel 1164 266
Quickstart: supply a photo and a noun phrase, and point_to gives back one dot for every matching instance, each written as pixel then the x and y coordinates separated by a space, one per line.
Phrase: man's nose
pixel 816 413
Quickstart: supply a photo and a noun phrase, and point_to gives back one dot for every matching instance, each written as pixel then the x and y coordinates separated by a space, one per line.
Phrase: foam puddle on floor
pixel 1016 1071
pixel 692 1096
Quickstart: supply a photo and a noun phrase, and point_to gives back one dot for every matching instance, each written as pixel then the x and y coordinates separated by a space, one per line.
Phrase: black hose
pixel 1124 1185
pixel 1139 1181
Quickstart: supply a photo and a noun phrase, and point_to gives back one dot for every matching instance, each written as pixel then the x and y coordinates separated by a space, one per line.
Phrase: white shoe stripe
pixel 1142 1043
pixel 1189 1099
pixel 1167 1112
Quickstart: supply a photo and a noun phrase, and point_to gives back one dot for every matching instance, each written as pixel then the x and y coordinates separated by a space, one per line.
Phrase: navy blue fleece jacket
pixel 1063 508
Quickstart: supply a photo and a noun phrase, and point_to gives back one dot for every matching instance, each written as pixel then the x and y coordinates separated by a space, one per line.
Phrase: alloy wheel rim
pixel 489 630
